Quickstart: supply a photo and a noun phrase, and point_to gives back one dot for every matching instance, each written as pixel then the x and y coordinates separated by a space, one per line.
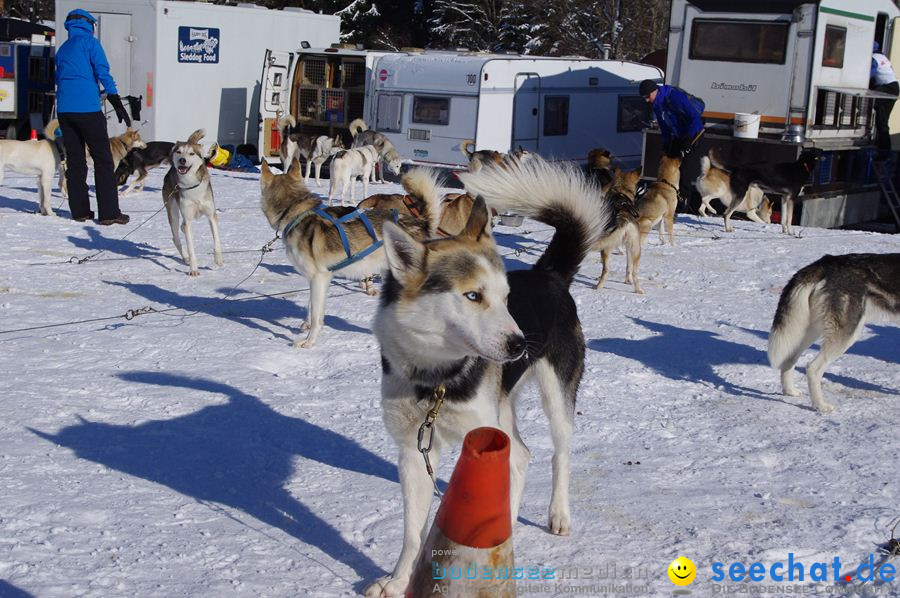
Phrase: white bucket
pixel 746 125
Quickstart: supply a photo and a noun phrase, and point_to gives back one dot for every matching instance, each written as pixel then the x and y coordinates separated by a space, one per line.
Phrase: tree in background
pixel 474 25
pixel 33 11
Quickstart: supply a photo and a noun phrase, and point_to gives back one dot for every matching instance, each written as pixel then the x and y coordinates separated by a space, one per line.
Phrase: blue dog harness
pixel 338 223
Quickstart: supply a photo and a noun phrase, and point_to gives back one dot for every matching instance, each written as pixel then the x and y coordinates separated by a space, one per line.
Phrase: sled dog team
pixel 451 317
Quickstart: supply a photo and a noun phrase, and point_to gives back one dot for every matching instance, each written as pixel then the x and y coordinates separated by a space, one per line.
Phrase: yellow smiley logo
pixel 682 571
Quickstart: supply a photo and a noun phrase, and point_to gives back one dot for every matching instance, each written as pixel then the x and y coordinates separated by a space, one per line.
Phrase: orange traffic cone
pixel 469 550
pixel 33 133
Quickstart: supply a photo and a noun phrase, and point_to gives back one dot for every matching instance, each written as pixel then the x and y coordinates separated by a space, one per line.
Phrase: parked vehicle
pixel 196 64
pixel 26 85
pixel 783 75
pixel 428 103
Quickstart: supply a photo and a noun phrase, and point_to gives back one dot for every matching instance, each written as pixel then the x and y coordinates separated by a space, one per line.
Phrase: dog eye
pixel 473 296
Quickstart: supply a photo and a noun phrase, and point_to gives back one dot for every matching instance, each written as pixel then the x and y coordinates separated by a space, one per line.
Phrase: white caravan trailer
pixel 427 103
pixel 196 64
pixel 798 69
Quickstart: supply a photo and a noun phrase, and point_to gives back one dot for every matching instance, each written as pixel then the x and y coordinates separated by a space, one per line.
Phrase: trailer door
pixel 114 33
pixel 273 101
pixel 526 104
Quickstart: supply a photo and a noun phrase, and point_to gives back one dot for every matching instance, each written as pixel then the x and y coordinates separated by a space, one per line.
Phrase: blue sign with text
pixel 198 44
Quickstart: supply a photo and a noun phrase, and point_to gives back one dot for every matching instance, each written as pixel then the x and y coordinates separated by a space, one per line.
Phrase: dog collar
pixel 191 187
pixel 677 190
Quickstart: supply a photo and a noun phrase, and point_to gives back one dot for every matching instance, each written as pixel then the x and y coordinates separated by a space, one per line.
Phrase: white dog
pixel 187 194
pixel 347 165
pixel 40 157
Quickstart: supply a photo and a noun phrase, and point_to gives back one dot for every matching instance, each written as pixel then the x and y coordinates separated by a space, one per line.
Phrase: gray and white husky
pixel 831 299
pixel 387 153
pixel 450 316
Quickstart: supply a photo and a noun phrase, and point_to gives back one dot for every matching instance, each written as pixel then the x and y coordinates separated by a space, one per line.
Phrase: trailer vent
pixel 419 135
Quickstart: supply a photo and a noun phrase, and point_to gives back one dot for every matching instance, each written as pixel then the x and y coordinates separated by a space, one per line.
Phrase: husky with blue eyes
pixel 452 320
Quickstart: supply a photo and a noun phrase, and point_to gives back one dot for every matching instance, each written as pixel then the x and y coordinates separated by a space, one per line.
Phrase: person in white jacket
pixel 883 79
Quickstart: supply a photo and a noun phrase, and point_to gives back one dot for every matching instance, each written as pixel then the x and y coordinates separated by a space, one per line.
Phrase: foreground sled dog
pixel 451 317
pixel 387 153
pixel 714 182
pixel 831 299
pixel 188 194
pixel 313 244
pixel 40 157
pixel 315 150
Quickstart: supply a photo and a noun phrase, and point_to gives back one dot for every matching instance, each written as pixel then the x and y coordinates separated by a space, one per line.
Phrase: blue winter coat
pixel 675 114
pixel 80 65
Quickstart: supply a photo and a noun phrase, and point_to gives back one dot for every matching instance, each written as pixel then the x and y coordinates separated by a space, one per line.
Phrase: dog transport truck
pixel 428 103
pixel 778 76
pixel 195 64
pixel 26 80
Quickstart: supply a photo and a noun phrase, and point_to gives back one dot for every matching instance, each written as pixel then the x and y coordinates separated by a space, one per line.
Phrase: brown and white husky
pixel 313 243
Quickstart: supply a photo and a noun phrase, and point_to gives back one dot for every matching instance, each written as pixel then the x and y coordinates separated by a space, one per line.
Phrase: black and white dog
pixel 451 317
pixel 142 160
pixel 784 178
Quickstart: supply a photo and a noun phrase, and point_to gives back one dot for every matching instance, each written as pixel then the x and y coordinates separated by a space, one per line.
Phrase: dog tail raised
pixel 286 123
pixel 50 130
pixel 792 326
pixel 704 166
pixel 555 194
pixel 358 125
pixel 424 184
pixel 464 148
pixel 196 136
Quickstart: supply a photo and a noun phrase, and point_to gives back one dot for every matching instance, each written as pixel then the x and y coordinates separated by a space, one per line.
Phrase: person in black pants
pixel 80 64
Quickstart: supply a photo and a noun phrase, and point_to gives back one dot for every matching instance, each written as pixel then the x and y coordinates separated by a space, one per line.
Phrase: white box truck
pixel 196 64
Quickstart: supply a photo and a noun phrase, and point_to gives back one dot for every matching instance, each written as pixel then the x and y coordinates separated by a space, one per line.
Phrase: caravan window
pixel 739 41
pixel 556 115
pixel 430 110
pixel 633 114
pixel 388 111
pixel 833 51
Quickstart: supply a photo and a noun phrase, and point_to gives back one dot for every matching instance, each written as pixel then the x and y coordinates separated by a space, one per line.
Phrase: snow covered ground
pixel 195 452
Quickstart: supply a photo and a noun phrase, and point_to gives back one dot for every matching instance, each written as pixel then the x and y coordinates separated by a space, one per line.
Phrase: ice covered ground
pixel 195 452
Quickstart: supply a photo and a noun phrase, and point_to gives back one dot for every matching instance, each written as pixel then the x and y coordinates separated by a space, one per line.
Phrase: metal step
pixel 883 172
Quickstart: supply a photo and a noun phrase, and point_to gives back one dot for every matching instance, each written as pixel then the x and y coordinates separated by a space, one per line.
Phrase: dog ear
pixel 478 226
pixel 294 171
pixel 265 176
pixel 405 255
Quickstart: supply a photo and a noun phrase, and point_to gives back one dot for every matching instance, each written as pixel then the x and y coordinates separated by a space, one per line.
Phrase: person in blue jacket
pixel 81 67
pixel 680 122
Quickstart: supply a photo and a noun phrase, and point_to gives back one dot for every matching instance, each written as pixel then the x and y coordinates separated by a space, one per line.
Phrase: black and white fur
pixel 315 150
pixel 831 299
pixel 450 314
pixel 387 153
pixel 140 161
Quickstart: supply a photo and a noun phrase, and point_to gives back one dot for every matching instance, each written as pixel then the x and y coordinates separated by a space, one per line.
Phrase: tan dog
pixel 124 143
pixel 600 168
pixel 455 209
pixel 622 227
pixel 37 157
pixel 313 243
pixel 188 194
pixel 714 182
pixel 658 204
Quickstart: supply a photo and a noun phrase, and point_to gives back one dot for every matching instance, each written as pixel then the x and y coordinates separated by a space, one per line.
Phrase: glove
pixel 116 102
